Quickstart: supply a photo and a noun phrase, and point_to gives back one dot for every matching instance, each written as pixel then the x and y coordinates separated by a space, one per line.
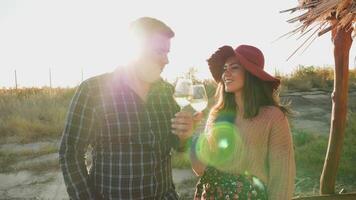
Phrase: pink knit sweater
pixel 266 151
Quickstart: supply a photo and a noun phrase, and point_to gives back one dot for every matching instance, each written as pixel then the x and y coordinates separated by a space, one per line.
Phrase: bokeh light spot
pixel 219 146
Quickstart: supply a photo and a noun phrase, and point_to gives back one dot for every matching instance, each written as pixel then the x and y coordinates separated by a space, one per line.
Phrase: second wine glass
pixel 199 99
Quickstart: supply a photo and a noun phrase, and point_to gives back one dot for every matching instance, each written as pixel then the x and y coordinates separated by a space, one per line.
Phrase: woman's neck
pixel 239 103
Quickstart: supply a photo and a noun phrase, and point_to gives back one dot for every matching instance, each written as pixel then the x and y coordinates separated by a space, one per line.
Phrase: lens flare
pixel 219 146
pixel 223 144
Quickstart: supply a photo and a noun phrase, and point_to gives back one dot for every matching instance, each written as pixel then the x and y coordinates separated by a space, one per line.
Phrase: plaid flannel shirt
pixel 131 141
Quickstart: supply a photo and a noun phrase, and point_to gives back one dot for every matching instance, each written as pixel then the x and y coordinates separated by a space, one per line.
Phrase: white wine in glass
pixel 199 99
pixel 183 92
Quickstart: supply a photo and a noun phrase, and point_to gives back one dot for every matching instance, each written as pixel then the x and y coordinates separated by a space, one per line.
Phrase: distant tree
pixel 192 71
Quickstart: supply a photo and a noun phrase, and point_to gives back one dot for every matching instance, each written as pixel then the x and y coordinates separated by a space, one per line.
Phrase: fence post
pixel 50 78
pixel 15 80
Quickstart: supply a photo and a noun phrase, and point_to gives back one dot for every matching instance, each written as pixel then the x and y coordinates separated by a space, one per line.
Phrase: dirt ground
pixel 50 185
pixel 313 115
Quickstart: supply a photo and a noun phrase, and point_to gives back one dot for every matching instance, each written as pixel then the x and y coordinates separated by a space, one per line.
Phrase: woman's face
pixel 233 76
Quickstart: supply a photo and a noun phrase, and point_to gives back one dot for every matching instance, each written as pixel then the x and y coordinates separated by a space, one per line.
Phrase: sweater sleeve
pixel 280 159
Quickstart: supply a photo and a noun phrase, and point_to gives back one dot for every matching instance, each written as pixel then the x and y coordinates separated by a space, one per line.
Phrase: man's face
pixel 155 57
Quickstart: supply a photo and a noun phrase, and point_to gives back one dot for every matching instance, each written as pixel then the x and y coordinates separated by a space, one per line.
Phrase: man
pixel 126 117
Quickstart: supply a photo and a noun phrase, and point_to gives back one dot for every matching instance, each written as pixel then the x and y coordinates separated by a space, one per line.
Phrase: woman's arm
pixel 197 166
pixel 281 161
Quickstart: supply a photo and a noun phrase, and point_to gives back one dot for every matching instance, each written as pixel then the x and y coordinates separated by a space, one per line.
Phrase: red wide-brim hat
pixel 250 57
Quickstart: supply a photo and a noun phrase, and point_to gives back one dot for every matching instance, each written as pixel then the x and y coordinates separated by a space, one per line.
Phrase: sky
pixel 68 37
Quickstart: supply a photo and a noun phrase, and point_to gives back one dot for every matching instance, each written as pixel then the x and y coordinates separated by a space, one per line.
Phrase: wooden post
pixel 15 80
pixel 347 196
pixel 50 78
pixel 342 43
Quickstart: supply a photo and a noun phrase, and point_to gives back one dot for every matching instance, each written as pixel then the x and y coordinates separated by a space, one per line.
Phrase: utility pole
pixel 15 80
pixel 50 78
pixel 82 75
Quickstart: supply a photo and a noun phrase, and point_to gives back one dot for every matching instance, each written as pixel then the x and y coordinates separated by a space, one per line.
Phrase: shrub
pixel 305 78
pixel 33 114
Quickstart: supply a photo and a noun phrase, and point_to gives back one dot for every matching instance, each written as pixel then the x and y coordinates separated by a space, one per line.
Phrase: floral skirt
pixel 215 184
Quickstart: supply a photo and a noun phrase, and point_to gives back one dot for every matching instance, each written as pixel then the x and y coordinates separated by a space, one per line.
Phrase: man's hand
pixel 184 122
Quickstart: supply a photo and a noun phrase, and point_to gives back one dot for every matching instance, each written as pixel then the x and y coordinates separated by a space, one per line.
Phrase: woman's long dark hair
pixel 256 93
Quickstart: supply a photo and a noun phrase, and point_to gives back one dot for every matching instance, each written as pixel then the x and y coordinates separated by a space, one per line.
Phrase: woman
pixel 254 157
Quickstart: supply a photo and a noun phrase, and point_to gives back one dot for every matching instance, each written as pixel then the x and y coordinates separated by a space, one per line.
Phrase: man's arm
pixel 75 140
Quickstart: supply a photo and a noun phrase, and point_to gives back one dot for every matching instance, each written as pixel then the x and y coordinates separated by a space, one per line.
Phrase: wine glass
pixel 183 92
pixel 199 99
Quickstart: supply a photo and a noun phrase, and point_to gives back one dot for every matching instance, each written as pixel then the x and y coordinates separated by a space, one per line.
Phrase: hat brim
pixel 257 71
pixel 217 61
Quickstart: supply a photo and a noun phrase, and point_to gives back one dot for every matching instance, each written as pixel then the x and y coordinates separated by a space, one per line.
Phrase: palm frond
pixel 321 13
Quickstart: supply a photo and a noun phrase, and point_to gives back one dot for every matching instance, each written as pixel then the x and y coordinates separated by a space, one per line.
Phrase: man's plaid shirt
pixel 131 141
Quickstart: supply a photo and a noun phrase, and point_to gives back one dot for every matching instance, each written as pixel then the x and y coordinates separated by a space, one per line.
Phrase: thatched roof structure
pixel 321 16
